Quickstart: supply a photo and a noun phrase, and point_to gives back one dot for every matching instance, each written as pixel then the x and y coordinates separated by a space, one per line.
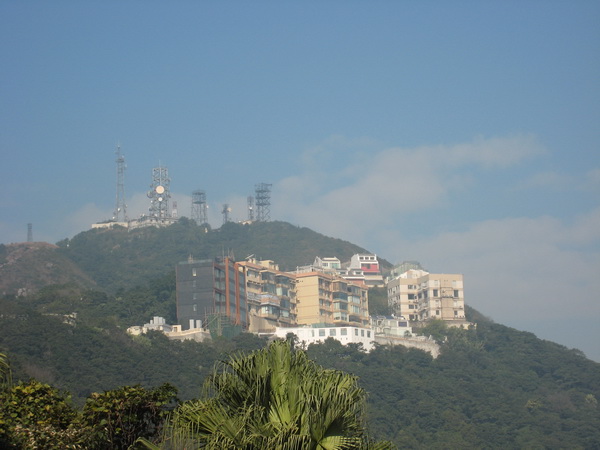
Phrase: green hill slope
pixel 493 387
pixel 119 258
pixel 26 267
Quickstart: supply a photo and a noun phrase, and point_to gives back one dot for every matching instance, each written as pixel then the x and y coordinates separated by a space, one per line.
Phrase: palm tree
pixel 273 398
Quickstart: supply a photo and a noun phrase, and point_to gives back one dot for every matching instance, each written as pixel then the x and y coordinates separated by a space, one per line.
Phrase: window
pixel 455 293
pixel 321 332
pixel 195 307
pixel 435 292
pixel 332 332
pixel 362 332
pixel 437 312
pixel 343 332
pixel 193 271
pixel 356 332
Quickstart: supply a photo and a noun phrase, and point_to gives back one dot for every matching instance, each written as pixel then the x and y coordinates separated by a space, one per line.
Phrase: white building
pixel 368 265
pixel 345 335
pixel 173 332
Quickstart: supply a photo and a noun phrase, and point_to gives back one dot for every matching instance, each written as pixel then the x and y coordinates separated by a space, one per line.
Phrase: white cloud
pixel 366 190
pixel 497 151
pixel 559 181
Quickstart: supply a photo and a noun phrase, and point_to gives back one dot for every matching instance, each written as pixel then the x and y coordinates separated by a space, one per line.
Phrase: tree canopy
pixel 274 398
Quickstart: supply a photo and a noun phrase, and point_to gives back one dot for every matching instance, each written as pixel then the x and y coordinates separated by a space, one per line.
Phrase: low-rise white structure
pixel 384 330
pixel 345 335
pixel 174 332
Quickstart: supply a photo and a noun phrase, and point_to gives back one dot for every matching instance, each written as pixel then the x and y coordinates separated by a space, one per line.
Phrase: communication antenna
pixel 250 208
pixel 174 213
pixel 199 207
pixel 263 202
pixel 159 194
pixel 226 210
pixel 120 213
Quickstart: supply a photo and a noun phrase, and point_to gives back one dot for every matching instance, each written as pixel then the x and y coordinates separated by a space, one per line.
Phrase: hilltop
pixel 113 259
pixel 26 267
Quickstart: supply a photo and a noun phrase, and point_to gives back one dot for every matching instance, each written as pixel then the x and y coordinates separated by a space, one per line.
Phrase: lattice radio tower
pixel 159 194
pixel 263 202
pixel 199 207
pixel 250 208
pixel 226 210
pixel 120 213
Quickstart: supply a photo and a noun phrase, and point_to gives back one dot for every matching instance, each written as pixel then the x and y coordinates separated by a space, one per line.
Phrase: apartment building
pixel 331 263
pixel 271 296
pixel 363 267
pixel 326 298
pixel 419 296
pixel 209 287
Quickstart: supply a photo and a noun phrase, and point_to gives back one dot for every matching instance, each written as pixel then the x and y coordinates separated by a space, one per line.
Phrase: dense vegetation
pixel 492 387
pixel 273 398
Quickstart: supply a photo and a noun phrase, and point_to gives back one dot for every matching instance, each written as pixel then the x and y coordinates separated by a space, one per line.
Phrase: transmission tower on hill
pixel 225 211
pixel 120 213
pixel 250 208
pixel 199 207
pixel 159 194
pixel 263 202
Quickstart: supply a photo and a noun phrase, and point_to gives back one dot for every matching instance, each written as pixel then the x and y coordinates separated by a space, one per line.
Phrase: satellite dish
pixel 160 189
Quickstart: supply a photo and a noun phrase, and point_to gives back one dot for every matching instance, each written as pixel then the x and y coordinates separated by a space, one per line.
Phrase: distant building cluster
pixel 327 298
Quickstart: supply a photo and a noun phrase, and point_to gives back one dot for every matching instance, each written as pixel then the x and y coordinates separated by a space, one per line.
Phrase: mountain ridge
pixel 118 258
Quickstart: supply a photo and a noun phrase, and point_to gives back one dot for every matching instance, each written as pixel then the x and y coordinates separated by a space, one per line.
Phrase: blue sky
pixel 462 134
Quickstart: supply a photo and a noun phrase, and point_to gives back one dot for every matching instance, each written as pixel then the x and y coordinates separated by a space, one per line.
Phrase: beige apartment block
pixel 324 298
pixel 271 296
pixel 420 296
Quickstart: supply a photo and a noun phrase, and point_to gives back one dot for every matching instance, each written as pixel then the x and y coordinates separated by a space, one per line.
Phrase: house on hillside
pixel 421 296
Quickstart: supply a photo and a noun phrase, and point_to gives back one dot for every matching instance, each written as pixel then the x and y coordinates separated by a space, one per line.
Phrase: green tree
pixel 115 419
pixel 378 301
pixel 274 398
pixel 35 415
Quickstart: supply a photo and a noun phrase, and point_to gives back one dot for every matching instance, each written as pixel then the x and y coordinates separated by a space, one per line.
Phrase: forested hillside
pixel 28 266
pixel 119 258
pixel 493 387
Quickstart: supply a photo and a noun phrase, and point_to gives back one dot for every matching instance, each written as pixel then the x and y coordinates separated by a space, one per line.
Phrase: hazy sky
pixel 464 135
